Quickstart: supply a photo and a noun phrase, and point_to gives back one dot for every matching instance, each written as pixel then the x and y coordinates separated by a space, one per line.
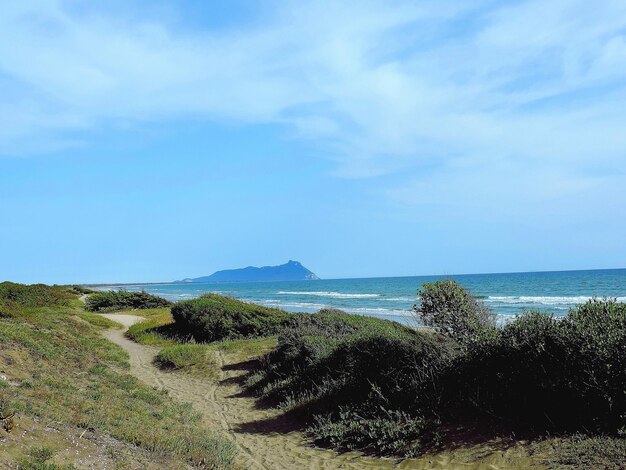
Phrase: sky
pixel 146 141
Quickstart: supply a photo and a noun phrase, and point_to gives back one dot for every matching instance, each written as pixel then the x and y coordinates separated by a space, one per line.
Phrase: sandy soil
pixel 265 439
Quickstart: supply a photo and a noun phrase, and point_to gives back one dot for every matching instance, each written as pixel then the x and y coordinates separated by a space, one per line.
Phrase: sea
pixel 392 298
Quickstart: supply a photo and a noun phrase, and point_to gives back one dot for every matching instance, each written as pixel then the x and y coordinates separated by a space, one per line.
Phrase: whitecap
pixel 337 295
pixel 542 300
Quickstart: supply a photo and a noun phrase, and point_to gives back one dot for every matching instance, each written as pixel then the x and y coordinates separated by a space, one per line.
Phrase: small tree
pixel 453 311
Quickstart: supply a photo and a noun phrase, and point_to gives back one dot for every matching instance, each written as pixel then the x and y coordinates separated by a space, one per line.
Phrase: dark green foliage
pixel 376 385
pixel 123 300
pixel 452 311
pixel 374 429
pixel 340 357
pixel 365 383
pixel 41 454
pixel 549 374
pixel 329 360
pixel 213 317
pixel 360 379
pixel 308 339
pixel 13 295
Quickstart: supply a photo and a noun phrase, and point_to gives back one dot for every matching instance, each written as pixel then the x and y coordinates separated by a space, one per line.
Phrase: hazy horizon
pixel 138 283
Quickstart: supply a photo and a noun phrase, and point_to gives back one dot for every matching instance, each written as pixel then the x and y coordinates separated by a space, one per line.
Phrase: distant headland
pixel 290 271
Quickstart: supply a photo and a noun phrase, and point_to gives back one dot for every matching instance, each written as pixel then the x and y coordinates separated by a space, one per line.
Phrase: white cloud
pixel 380 85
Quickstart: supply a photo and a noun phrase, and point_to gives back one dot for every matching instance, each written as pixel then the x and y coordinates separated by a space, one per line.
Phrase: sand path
pixel 265 439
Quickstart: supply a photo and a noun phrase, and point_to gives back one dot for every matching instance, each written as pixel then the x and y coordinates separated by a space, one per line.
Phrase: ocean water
pixel 393 297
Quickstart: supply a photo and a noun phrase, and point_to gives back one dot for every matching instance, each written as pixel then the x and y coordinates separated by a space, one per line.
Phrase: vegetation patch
pixel 39 459
pixel 246 348
pixel 581 451
pixel 213 317
pixel 71 374
pixel 548 374
pixel 453 312
pixel 99 320
pixel 195 358
pixel 375 385
pixel 81 290
pixel 369 384
pixel 107 301
pixel 355 380
pixel 7 413
pixel 14 296
pixel 157 329
pixel 336 311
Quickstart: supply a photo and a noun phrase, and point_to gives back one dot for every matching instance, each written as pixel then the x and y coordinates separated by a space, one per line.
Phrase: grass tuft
pixel 190 357
pixel 99 321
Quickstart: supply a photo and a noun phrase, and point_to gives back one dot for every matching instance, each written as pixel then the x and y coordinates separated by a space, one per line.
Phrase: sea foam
pixel 542 300
pixel 335 295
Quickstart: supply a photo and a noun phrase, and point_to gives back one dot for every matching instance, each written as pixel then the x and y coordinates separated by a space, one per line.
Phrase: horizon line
pixel 99 284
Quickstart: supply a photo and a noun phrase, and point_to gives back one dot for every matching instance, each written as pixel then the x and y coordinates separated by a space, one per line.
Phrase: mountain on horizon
pixel 290 271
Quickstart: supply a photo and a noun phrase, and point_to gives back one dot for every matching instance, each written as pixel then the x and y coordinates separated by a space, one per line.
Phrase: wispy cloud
pixel 380 86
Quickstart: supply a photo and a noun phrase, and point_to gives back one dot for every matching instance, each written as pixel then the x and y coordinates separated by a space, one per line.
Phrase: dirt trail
pixel 265 439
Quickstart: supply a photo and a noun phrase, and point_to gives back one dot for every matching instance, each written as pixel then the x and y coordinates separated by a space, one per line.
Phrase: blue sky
pixel 149 141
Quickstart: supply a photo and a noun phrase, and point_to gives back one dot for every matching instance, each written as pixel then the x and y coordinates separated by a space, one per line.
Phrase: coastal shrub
pixel 13 295
pixel 213 317
pixel 333 310
pixel 548 374
pixel 513 373
pixel 303 370
pixel 596 353
pixel 123 300
pixel 306 339
pixel 374 429
pixel 359 381
pixel 378 386
pixel 453 311
pixel 81 289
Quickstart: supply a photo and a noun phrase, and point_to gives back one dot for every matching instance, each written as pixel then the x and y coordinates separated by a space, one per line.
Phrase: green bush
pixel 374 429
pixel 359 380
pixel 123 300
pixel 333 310
pixel 308 340
pixel 366 383
pixel 213 317
pixel 551 374
pixel 13 295
pixel 452 311
pixel 372 384
pixel 81 289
